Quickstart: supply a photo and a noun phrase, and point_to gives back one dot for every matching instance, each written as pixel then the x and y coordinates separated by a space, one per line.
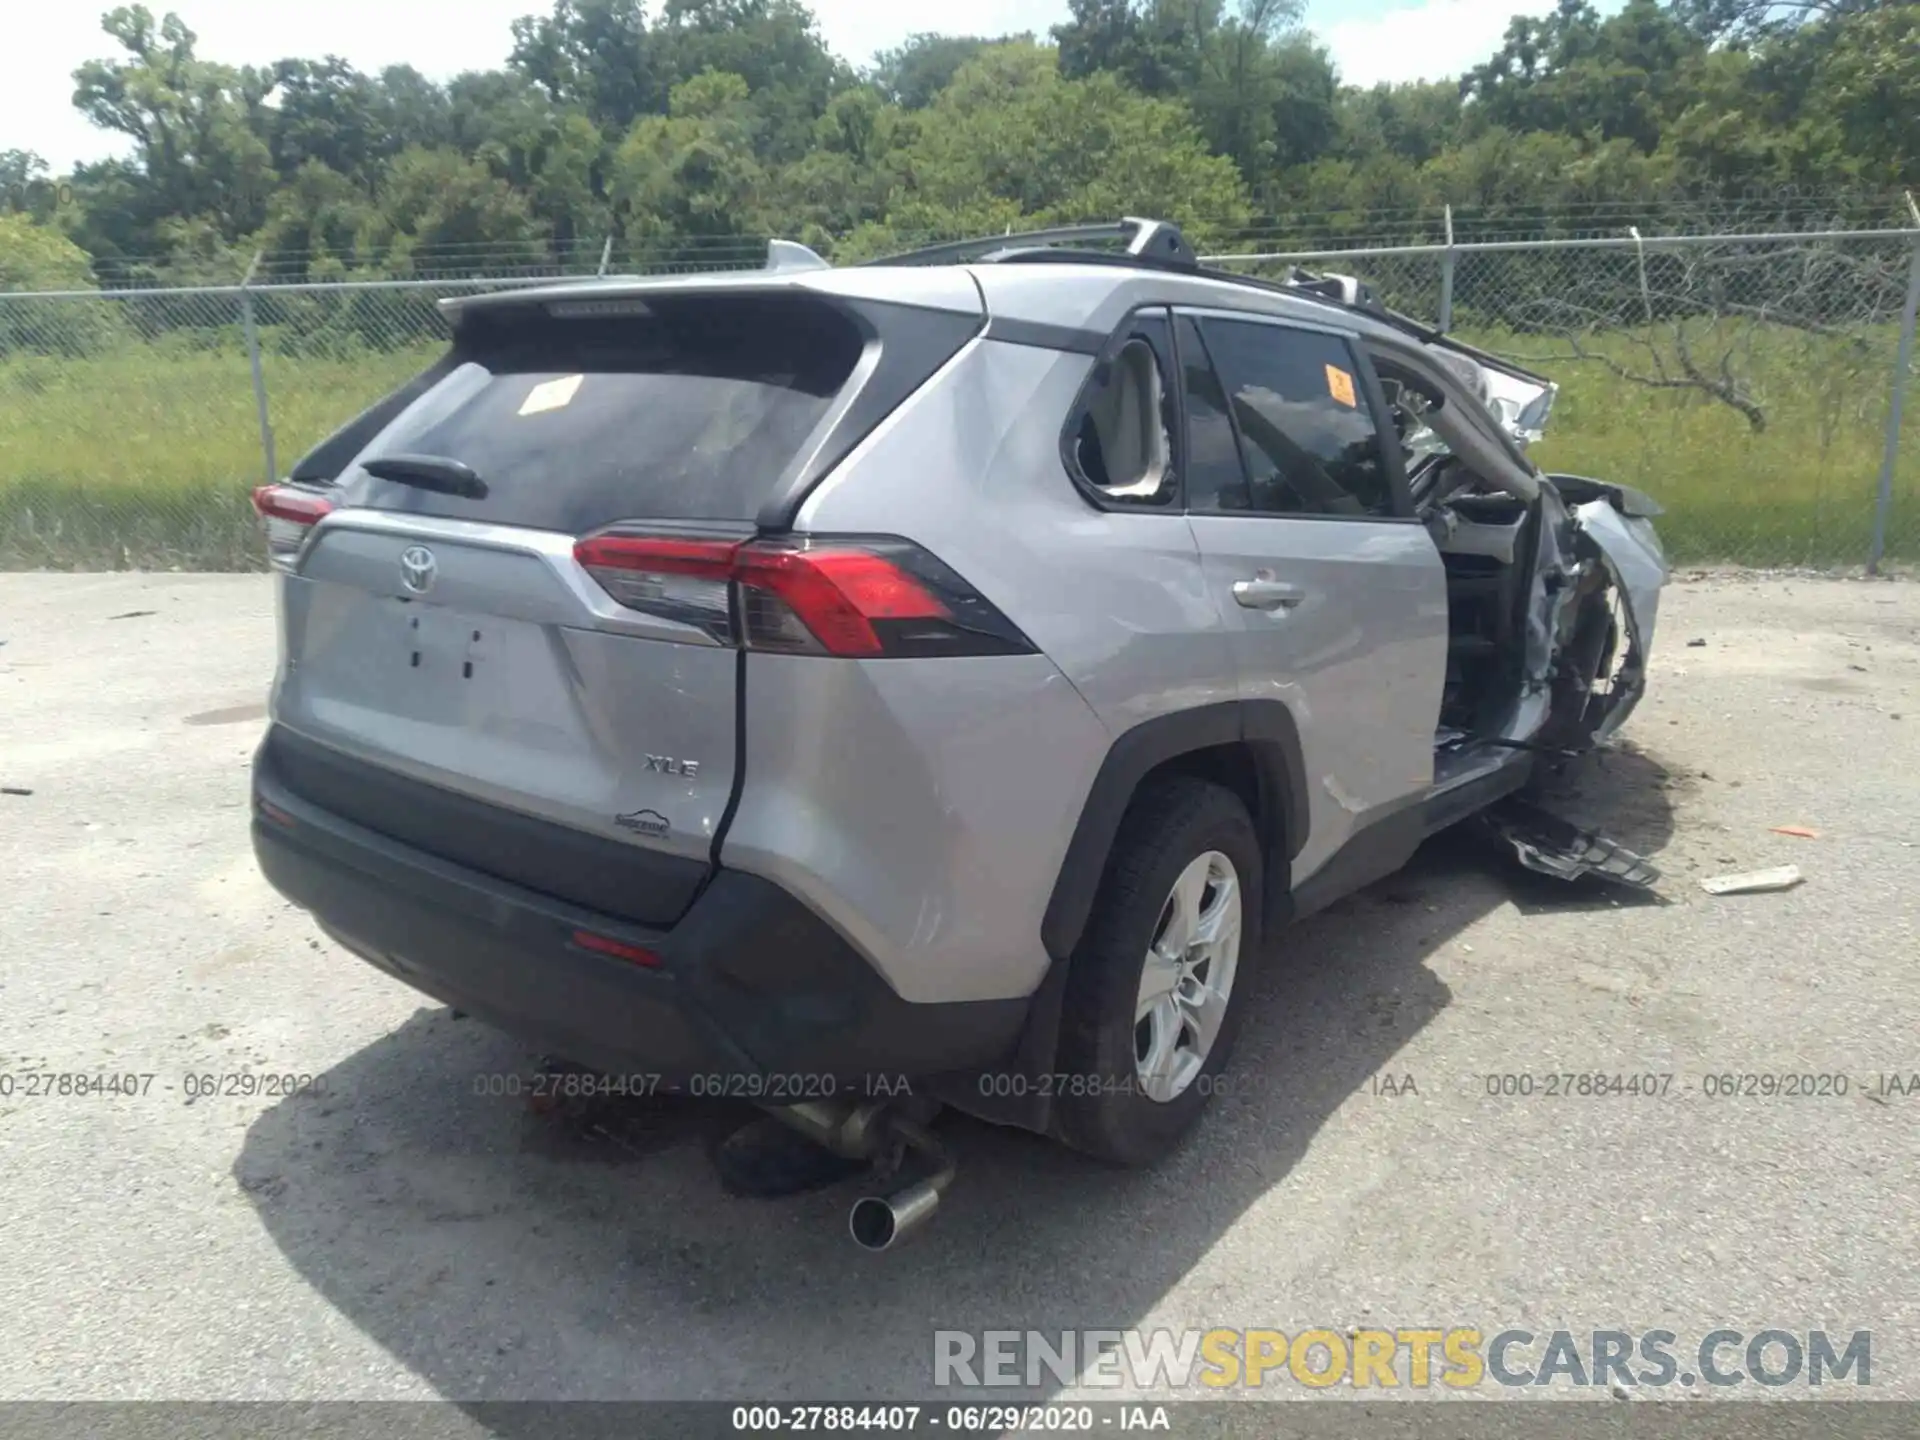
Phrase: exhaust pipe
pixel 879 1222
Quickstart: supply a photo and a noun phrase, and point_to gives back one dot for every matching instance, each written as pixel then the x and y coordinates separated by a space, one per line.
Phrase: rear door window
pixel 1306 431
pixel 688 410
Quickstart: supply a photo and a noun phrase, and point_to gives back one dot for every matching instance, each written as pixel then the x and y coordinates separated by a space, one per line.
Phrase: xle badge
pixel 644 822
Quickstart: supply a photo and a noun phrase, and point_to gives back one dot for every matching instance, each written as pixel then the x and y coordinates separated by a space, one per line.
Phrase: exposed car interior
pixel 1487 536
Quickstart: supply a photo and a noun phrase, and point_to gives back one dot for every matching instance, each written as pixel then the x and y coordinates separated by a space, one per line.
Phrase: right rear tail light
pixel 852 596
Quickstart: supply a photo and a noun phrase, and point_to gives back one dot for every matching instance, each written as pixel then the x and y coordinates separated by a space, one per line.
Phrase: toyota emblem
pixel 417 569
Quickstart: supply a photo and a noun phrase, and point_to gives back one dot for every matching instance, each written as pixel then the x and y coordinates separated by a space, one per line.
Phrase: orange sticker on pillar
pixel 1340 386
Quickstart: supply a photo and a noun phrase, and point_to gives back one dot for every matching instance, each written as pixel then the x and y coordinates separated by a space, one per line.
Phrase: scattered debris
pixel 1556 847
pixel 1696 644
pixel 13 790
pixel 1802 831
pixel 134 615
pixel 1861 668
pixel 1753 882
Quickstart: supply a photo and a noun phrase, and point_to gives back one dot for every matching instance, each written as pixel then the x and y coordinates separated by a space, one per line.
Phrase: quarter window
pixel 1121 444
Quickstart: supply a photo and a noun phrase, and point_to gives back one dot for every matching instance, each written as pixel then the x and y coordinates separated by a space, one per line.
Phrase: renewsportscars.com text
pixel 1458 1358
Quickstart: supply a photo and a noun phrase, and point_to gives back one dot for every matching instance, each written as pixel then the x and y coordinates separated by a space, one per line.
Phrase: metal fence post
pixel 259 375
pixel 1446 278
pixel 1896 402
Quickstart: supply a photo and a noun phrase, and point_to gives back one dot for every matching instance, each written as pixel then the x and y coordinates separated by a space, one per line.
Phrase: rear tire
pixel 1153 995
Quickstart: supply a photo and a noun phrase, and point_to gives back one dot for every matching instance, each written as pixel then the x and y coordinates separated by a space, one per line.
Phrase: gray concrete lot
pixel 401 1236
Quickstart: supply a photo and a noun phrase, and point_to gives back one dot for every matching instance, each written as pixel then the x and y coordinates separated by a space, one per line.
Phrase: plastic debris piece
pixel 1753 882
pixel 1556 847
pixel 1802 831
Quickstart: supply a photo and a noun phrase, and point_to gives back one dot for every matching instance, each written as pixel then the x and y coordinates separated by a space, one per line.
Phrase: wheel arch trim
pixel 1271 741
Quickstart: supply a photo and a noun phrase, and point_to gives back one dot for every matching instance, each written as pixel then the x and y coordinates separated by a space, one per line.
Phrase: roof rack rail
pixel 1157 242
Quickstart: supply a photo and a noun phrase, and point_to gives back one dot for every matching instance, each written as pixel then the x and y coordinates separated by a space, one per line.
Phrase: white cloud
pixel 1433 41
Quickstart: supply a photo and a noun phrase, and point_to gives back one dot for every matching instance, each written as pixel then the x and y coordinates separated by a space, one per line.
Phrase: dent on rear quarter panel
pixel 917 805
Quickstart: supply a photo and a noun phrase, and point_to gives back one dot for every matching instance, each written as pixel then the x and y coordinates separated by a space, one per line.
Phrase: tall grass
pixel 142 457
pixel 1799 491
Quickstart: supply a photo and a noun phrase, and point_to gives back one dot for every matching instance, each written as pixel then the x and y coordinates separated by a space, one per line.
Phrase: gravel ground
pixel 400 1236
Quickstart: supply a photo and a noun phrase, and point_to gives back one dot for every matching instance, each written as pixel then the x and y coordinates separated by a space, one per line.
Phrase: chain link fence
pixel 1750 383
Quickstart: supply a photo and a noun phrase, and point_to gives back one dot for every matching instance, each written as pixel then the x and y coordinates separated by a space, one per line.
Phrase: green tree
pixel 441 200
pixel 549 152
pixel 1011 141
pixel 1572 72
pixel 326 112
pixel 198 130
pixel 774 46
pixel 321 216
pixel 692 174
pixel 914 72
pixel 25 188
pixel 1414 121
pixel 37 257
pixel 595 54
pixel 1153 45
pixel 412 110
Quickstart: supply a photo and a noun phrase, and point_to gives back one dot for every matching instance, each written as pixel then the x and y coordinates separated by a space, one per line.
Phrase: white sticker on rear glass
pixel 551 394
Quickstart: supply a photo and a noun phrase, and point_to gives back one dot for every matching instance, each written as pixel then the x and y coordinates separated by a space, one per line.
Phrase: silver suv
pixel 948 672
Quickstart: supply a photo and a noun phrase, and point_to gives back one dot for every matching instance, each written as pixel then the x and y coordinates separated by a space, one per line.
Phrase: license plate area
pixel 448 667
pixel 443 643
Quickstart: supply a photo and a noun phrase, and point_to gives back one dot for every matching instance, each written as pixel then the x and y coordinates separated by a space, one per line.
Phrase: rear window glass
pixel 690 411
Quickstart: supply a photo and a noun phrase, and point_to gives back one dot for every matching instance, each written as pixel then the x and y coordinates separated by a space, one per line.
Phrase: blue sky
pixel 1371 40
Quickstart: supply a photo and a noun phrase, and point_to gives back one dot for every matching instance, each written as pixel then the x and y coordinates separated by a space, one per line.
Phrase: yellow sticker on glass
pixel 1340 385
pixel 555 395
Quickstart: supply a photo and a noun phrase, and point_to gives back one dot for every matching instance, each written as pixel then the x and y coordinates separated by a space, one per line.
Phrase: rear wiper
pixel 429 472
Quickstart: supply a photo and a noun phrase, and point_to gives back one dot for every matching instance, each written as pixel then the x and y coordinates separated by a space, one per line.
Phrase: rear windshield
pixel 688 411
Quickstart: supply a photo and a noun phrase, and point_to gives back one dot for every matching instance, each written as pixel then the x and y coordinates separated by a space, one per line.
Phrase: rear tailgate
pixel 453 677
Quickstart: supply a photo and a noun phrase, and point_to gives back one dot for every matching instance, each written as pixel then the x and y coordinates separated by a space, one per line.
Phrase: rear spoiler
pixel 784 257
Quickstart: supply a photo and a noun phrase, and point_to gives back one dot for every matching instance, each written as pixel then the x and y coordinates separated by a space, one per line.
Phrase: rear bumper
pixel 754 995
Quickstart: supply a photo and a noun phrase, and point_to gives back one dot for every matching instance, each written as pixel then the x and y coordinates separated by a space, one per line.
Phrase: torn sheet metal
pixel 1634 555
pixel 1559 848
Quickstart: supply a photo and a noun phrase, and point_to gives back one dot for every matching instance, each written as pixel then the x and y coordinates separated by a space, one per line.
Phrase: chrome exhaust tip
pixel 879 1222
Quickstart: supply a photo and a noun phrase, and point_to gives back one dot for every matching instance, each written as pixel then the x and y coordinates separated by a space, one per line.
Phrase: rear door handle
pixel 1267 594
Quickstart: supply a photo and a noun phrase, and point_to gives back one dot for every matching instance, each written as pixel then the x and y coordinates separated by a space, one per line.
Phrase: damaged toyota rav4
pixel 938 678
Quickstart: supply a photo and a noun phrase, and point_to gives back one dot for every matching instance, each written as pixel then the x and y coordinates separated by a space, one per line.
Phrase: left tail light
pixel 852 596
pixel 288 514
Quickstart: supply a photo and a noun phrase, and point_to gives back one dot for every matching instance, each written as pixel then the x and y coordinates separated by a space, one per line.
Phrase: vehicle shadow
pixel 501 1254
